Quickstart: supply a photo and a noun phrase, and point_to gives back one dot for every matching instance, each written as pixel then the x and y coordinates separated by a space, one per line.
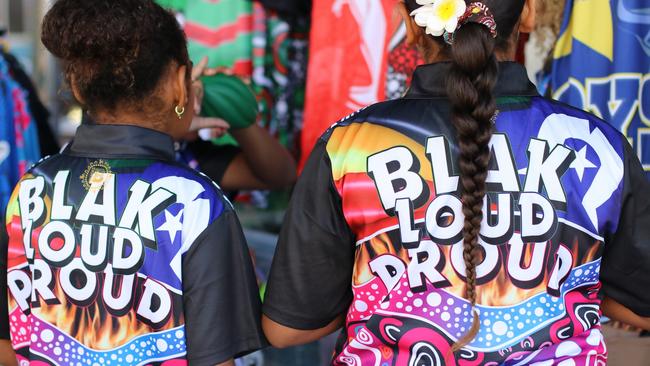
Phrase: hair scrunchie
pixel 475 13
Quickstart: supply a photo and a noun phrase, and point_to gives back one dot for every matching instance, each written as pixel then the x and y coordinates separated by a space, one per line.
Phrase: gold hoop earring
pixel 179 111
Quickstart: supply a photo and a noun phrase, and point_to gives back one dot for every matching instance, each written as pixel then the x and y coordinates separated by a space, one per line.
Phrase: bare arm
pixel 282 336
pixel 262 164
pixel 227 363
pixel 611 308
pixel 7 355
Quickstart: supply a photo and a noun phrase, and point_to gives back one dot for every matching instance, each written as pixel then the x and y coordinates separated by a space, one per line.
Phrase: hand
pixel 218 126
pixel 199 70
pixel 202 69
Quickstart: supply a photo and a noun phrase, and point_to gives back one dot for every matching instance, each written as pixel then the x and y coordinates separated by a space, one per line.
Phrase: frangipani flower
pixel 439 16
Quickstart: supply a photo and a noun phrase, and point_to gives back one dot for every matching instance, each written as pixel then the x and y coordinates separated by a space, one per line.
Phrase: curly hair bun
pixel 114 51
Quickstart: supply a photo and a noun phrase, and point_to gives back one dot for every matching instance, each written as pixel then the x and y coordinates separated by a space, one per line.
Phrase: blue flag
pixel 602 64
pixel 19 147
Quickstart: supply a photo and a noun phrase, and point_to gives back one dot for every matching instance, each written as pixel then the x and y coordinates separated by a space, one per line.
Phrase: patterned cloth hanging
pixel 601 63
pixel 19 147
pixel 257 44
pixel 352 67
pixel 280 48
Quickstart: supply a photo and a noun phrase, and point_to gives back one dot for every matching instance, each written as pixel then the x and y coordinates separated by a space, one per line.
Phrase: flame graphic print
pixel 93 288
pixel 541 243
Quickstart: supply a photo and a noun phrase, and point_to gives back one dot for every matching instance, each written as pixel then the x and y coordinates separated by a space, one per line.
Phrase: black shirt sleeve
pixel 220 294
pixel 310 280
pixel 4 306
pixel 213 160
pixel 625 271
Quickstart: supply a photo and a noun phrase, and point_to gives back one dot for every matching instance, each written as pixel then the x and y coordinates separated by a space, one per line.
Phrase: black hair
pixel 470 88
pixel 114 51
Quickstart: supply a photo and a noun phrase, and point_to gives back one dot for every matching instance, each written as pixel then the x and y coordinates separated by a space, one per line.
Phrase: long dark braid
pixel 470 88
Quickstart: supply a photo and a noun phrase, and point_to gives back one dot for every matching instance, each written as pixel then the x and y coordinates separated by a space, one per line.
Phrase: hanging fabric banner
pixel 19 147
pixel 602 64
pixel 348 61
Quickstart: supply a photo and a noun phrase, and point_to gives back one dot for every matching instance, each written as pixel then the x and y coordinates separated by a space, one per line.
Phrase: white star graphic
pixel 172 224
pixel 581 162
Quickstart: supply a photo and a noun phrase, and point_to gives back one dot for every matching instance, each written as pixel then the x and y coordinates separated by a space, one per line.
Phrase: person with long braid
pixel 471 222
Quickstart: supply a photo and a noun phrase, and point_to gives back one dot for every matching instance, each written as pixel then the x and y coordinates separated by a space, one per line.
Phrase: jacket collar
pixel 429 81
pixel 121 141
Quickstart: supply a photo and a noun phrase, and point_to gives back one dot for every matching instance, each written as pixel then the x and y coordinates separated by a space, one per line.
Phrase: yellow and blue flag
pixel 602 64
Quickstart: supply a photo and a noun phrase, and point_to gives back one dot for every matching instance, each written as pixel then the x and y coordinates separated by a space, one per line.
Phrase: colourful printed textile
pixel 177 5
pixel 378 206
pixel 279 73
pixel 402 61
pixel 119 256
pixel 347 67
pixel 259 46
pixel 222 31
pixel 19 147
pixel 602 65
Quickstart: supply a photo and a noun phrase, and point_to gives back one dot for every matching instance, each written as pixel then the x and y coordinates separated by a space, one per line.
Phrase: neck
pixel 131 119
pixel 433 51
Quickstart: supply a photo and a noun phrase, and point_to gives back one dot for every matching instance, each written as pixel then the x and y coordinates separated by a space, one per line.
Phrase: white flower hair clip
pixel 444 17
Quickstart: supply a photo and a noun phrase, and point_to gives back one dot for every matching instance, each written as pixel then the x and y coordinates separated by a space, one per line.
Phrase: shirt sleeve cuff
pixel 294 321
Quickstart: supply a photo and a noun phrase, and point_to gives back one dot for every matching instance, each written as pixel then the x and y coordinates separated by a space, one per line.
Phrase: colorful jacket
pixel 374 232
pixel 117 255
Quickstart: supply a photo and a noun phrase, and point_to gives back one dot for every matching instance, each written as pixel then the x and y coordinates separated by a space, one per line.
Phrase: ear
pixel 413 31
pixel 528 17
pixel 181 86
pixel 75 91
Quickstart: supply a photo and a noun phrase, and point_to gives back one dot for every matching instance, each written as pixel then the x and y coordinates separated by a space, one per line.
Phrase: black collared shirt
pixel 132 258
pixel 430 81
pixel 374 232
pixel 121 141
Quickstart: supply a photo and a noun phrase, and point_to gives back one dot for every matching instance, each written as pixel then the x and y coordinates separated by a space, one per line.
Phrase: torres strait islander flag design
pixel 614 84
pixel 554 185
pixel 94 260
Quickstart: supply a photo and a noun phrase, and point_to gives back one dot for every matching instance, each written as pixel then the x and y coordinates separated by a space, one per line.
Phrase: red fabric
pixel 521 49
pixel 345 59
pixel 210 37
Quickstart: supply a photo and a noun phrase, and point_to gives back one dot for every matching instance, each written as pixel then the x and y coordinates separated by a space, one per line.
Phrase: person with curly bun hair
pixel 471 222
pixel 114 254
